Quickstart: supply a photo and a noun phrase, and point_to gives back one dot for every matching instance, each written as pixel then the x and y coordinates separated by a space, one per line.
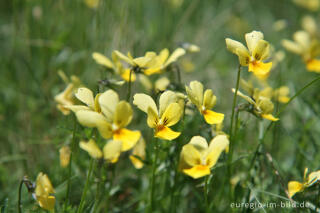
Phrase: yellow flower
pixel 190 47
pixel 93 4
pixel 312 5
pixel 66 97
pixel 115 65
pixel 169 113
pixel 306 47
pixel 65 153
pixel 258 51
pixel 109 115
pixel 197 158
pixel 111 150
pixel 44 191
pixel 295 186
pixel 161 84
pixel 282 94
pixel 139 150
pixel 261 105
pixel 204 102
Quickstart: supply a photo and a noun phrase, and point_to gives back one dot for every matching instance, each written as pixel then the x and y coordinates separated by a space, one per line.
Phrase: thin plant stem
pixel 232 117
pixel 129 86
pixel 84 193
pixel 96 203
pixel 19 196
pixel 205 193
pixel 70 163
pixel 154 166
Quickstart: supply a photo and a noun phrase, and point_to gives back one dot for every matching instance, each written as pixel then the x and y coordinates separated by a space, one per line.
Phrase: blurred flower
pixel 295 186
pixel 114 65
pixel 197 158
pixel 204 102
pixel 312 5
pixel 254 57
pixel 111 150
pixel 65 153
pixel 309 25
pixel 109 115
pixel 161 84
pixel 43 192
pixel 190 47
pixel 93 4
pixel 169 113
pixel 306 47
pixel 66 97
pixel 279 25
pixel 37 12
pixel 260 105
pixel 138 154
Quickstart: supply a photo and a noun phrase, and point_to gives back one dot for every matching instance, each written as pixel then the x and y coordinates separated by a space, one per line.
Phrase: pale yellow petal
pixel 294 187
pixel 46 202
pixel 174 56
pixel 140 151
pixel 112 150
pixel 302 38
pixel 313 177
pixel 247 98
pixel 191 155
pixel 166 133
pixel 92 148
pixel 123 57
pixel 76 108
pixel 252 39
pixel 153 118
pixel 240 50
pixel 217 145
pixel 108 102
pixel 209 99
pixel 86 96
pixel 172 114
pixel 261 51
pixel 102 60
pixel 200 143
pixel 143 102
pixel 127 137
pixel 212 117
pixel 161 84
pixel 65 153
pixel 165 100
pixel 292 46
pixel 125 75
pixel 197 171
pixel 123 114
pixel 195 93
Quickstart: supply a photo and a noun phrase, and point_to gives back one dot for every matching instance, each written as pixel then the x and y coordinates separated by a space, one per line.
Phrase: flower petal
pixel 294 187
pixel 191 155
pixel 123 114
pixel 200 143
pixel 212 117
pixel 143 102
pixel 197 171
pixel 108 102
pixel 102 60
pixel 260 68
pixel 123 57
pixel 127 137
pixel 92 148
pixel 86 96
pixel 165 100
pixel 153 118
pixel 217 145
pixel 195 93
pixel 112 150
pixel 252 39
pixel 172 114
pixel 125 75
pixel 209 99
pixel 269 117
pixel 174 56
pixel 166 133
pixel 261 51
pixel 140 151
pixel 313 65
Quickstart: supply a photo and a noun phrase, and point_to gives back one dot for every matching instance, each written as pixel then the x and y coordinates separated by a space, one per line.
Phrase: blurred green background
pixel 38 38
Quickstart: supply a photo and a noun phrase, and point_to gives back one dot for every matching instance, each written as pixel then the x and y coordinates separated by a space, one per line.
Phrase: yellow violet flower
pixel 44 191
pixel 138 150
pixel 66 97
pixel 111 151
pixel 258 51
pixel 161 84
pixel 109 115
pixel 197 158
pixel 295 186
pixel 261 105
pixel 306 47
pixel 65 153
pixel 169 113
pixel 115 65
pixel 204 102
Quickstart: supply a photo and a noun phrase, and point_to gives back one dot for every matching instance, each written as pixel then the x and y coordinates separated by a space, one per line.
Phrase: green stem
pixel 205 193
pixel 129 86
pixel 154 166
pixel 96 203
pixel 70 163
pixel 84 193
pixel 19 196
pixel 232 117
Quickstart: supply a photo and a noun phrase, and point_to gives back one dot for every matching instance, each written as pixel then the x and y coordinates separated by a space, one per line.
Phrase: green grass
pixel 32 130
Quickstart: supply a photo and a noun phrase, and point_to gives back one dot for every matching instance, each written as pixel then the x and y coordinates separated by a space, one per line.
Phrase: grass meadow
pixel 141 160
